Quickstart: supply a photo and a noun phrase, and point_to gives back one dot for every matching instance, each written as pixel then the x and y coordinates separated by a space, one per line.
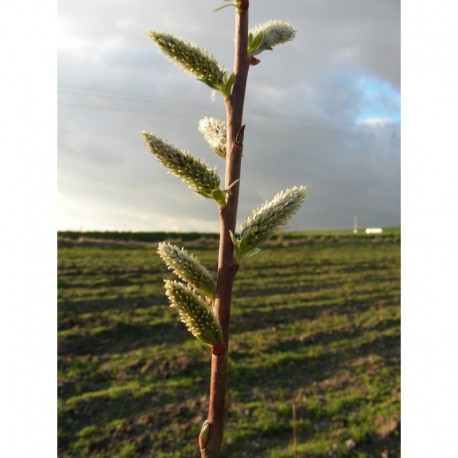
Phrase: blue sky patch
pixel 380 100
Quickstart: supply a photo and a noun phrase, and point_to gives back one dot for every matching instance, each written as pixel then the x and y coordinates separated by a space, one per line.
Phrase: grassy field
pixel 315 321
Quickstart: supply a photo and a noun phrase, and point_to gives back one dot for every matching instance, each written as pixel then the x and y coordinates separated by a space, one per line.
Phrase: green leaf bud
pixel 194 312
pixel 204 433
pixel 187 268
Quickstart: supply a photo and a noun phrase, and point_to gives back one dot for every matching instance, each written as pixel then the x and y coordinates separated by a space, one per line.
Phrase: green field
pixel 315 320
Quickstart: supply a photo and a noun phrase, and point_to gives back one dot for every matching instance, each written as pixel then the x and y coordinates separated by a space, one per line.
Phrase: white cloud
pixel 375 122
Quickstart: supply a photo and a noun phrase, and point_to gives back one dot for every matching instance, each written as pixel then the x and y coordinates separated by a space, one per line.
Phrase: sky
pixel 322 111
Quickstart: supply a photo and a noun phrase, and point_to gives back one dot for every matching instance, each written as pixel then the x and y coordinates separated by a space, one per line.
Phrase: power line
pixel 268 119
pixel 130 96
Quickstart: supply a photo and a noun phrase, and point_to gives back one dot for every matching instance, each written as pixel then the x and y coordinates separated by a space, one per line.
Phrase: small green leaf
pixel 223 6
pixel 231 185
pixel 237 251
pixel 219 197
pixel 234 239
pixel 255 43
pixel 235 3
pixel 228 85
pixel 272 33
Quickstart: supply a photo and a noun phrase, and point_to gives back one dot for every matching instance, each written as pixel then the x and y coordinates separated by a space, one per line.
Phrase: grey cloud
pixel 301 109
pixel 345 172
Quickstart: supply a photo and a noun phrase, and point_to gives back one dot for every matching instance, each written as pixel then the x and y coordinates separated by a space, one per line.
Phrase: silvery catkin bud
pixel 273 33
pixel 188 268
pixel 191 58
pixel 201 178
pixel 267 220
pixel 194 312
pixel 215 134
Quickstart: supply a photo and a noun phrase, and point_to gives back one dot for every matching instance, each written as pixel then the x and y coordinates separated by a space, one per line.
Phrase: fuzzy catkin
pixel 215 134
pixel 274 33
pixel 266 220
pixel 187 268
pixel 190 58
pixel 201 178
pixel 194 312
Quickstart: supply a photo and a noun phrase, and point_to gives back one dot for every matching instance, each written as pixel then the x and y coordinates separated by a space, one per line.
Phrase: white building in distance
pixel 374 230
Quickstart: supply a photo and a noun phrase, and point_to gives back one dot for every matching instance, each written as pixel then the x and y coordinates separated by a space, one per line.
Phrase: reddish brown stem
pixel 227 268
pixel 294 430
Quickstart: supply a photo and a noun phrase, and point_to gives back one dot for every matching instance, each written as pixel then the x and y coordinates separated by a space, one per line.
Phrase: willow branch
pixel 227 268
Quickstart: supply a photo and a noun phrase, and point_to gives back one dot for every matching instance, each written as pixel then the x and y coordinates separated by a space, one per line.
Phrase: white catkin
pixel 274 33
pixel 188 56
pixel 187 268
pixel 194 312
pixel 201 178
pixel 215 134
pixel 269 218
